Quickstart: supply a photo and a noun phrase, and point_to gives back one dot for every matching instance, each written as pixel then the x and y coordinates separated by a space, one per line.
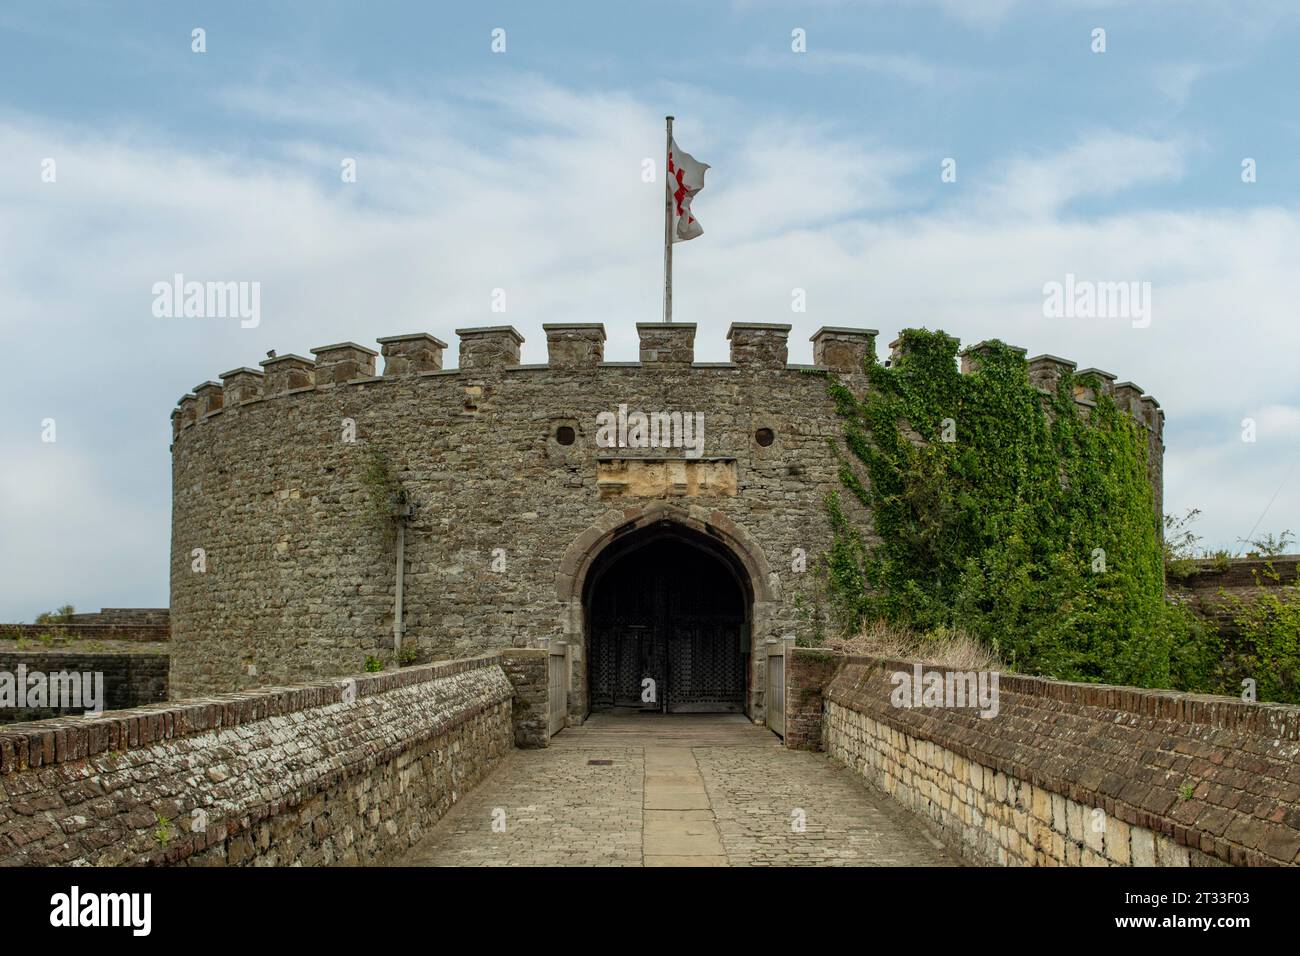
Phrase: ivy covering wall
pixel 1008 514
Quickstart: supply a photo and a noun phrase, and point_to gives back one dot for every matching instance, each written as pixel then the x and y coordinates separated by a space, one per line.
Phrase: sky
pixel 919 163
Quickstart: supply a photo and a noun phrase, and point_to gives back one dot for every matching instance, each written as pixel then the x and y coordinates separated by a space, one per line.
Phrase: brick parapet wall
pixel 143 633
pixel 130 680
pixel 344 771
pixel 527 668
pixel 1193 779
pixel 1246 572
pixel 1216 587
pixel 156 616
pixel 808 671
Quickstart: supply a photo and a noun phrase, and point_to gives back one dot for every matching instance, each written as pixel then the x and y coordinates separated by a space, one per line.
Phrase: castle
pixel 664 569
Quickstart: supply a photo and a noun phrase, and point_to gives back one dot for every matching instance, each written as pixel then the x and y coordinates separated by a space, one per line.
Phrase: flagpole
pixel 668 225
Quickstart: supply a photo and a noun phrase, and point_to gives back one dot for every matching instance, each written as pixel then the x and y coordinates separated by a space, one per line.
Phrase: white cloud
pixel 1100 163
pixel 537 190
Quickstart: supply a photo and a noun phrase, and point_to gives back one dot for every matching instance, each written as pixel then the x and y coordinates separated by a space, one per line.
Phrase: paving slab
pixel 677 791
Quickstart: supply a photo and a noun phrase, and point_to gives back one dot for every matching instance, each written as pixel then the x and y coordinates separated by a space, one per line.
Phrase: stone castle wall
pixel 512 495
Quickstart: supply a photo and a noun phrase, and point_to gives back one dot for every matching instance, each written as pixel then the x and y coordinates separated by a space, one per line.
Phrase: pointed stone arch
pixel 581 556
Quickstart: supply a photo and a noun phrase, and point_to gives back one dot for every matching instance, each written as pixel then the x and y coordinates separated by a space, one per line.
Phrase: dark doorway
pixel 668 625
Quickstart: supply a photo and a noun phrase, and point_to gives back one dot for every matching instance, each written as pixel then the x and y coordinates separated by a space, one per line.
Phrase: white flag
pixel 685 179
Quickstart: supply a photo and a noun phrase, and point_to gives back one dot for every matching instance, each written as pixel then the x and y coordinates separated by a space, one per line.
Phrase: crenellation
pixel 574 345
pixel 412 353
pixel 1128 398
pixel 241 385
pixel 1088 393
pixel 844 350
pixel 287 372
pixel 667 343
pixel 1150 414
pixel 1046 372
pixel 760 344
pixel 972 356
pixel 489 346
pixel 189 409
pixel 343 362
pixel 210 396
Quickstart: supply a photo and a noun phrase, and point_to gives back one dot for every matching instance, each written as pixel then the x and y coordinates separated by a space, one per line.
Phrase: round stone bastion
pixel 524 495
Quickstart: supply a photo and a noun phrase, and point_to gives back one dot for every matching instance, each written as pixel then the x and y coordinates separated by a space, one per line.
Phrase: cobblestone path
pixel 674 791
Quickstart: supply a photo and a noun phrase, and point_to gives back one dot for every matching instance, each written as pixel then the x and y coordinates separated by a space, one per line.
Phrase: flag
pixel 685 179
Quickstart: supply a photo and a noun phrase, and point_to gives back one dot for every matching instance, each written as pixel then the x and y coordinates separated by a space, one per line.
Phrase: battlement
pixel 757 347
pixel 546 467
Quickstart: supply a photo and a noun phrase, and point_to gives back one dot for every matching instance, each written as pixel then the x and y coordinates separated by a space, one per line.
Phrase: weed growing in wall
pixel 1004 512
pixel 384 489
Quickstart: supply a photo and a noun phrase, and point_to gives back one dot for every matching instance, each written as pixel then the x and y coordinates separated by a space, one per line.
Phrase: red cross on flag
pixel 685 179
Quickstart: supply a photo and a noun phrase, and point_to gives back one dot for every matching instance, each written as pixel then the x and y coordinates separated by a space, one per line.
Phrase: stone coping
pixel 1097 372
pixel 1049 357
pixel 842 330
pixel 575 327
pixel 342 345
pixel 412 336
pixel 59 740
pixel 509 330
pixel 287 357
pixel 1227 713
pixel 761 326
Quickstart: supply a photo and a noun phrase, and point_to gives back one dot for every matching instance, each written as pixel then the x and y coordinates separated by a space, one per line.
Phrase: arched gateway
pixel 670 606
pixel 667 624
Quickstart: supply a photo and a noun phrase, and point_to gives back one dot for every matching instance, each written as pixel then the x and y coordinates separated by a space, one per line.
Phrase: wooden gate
pixel 668 634
pixel 557 681
pixel 775 694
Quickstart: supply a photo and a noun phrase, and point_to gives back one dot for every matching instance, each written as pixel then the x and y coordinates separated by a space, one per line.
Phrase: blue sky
pixel 521 171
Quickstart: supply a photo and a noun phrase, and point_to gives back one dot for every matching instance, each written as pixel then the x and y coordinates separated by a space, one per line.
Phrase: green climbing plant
pixel 1005 512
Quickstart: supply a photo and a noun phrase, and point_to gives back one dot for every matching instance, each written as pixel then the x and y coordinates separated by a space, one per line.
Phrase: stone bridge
pixel 470 762
pixel 676 790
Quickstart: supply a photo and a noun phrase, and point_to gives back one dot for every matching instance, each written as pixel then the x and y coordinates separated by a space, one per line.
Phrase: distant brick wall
pixel 130 680
pixel 807 673
pixel 153 616
pixel 1081 774
pixel 343 771
pixel 1212 591
pixel 1245 572
pixel 146 633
